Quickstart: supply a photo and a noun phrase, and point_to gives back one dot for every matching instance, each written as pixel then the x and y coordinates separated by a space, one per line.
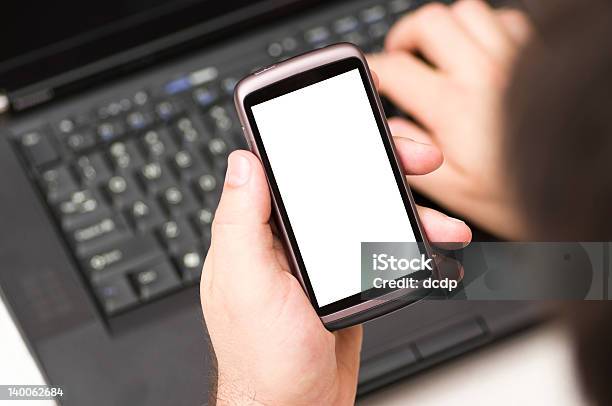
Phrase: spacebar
pixel 122 256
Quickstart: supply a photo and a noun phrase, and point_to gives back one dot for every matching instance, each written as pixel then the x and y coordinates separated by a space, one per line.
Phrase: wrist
pixel 232 393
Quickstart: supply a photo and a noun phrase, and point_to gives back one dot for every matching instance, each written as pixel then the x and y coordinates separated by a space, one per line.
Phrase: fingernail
pixel 393 126
pixel 238 170
pixel 456 220
pixel 396 129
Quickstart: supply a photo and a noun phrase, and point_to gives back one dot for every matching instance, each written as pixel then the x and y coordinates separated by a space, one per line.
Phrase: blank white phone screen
pixel 334 177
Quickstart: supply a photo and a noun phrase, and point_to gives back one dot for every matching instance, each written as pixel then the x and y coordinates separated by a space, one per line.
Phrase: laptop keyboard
pixel 133 184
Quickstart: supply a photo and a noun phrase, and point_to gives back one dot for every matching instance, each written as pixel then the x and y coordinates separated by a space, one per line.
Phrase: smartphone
pixel 316 123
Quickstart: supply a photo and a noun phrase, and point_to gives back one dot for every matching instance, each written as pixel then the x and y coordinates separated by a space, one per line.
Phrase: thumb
pixel 245 201
pixel 242 241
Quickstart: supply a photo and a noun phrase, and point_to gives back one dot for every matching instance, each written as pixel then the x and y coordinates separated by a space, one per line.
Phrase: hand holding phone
pixel 317 125
pixel 268 340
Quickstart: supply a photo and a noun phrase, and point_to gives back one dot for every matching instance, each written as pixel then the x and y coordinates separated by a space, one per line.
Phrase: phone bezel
pixel 333 61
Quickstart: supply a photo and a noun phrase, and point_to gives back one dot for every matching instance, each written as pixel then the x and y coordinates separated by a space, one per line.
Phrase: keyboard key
pixel 401 6
pixel 225 124
pixel 177 202
pixel 66 126
pixel 275 49
pixel 155 177
pixel 166 109
pixel 93 169
pixel 79 141
pixel 138 120
pixel 356 38
pixel 175 234
pixel 317 35
pixel 115 294
pixel 38 148
pixel 82 207
pixel 208 188
pixel 284 48
pixel 190 262
pixel 108 110
pixel 373 14
pixel 207 183
pixel 157 143
pixel 58 183
pixel 122 256
pixel 140 98
pixel 204 75
pixel 126 104
pixel 187 165
pixel 202 220
pixel 177 85
pixel 145 215
pixel 108 131
pixel 114 108
pixel 221 120
pixel 290 44
pixel 187 134
pixel 89 238
pixel 345 25
pixel 122 190
pixel 189 131
pixel 154 280
pixel 125 155
pixel 205 96
pixel 217 149
pixel 379 30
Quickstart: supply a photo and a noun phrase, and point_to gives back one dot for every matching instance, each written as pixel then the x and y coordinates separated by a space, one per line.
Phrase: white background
pixel 335 179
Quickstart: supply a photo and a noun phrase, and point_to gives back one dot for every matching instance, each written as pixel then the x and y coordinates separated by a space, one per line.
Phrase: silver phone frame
pixel 291 67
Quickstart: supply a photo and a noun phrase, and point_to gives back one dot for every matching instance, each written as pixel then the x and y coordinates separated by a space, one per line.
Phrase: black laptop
pixel 116 122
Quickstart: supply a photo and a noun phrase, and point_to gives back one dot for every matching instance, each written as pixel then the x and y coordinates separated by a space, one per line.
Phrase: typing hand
pixel 456 96
pixel 271 348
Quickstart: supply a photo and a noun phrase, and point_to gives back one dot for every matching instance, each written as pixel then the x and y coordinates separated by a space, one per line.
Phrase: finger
pixel 412 85
pixel 241 235
pixel 447 185
pixel 401 127
pixel 443 229
pixel 245 200
pixel 517 25
pixel 485 28
pixel 417 157
pixel 434 32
